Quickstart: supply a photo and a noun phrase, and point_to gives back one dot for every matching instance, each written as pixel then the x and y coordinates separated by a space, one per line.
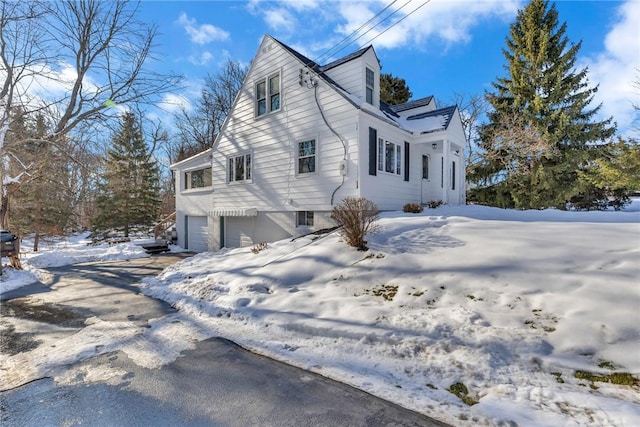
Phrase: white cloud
pixel 280 19
pixel 172 102
pixel 201 33
pixel 203 58
pixel 616 69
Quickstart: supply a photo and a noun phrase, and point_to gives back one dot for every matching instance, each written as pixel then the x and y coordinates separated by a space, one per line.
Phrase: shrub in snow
pixel 432 204
pixel 357 216
pixel 412 208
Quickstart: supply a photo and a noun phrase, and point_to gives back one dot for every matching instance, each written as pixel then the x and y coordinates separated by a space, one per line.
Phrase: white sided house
pixel 300 138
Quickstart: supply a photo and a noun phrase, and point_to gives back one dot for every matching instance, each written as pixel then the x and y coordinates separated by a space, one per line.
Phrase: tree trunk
pixel 36 241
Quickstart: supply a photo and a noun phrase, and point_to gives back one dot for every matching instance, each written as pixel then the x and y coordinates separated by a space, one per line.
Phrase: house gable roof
pixel 350 57
pixel 435 120
pixel 412 104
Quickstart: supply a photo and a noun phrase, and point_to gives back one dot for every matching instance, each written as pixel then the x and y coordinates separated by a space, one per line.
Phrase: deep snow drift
pixel 511 304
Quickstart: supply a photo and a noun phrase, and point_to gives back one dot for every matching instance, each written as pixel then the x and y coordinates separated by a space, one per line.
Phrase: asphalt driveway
pixel 215 384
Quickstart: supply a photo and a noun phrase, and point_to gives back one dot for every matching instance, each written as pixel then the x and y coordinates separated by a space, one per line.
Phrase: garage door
pixel 197 234
pixel 239 232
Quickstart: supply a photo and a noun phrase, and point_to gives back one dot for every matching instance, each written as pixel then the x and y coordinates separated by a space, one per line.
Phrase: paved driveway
pixel 216 384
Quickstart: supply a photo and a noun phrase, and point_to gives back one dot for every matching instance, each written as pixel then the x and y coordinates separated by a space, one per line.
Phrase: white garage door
pixel 197 234
pixel 239 232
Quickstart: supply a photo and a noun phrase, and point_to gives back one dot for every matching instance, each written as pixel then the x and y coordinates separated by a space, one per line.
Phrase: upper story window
pixel 307 156
pixel 239 168
pixel 268 95
pixel 370 85
pixel 198 178
pixel 389 157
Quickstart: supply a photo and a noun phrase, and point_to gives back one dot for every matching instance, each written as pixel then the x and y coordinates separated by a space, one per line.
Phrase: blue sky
pixel 442 48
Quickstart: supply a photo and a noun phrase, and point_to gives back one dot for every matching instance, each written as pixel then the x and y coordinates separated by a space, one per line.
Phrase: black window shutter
pixel 373 151
pixel 406 161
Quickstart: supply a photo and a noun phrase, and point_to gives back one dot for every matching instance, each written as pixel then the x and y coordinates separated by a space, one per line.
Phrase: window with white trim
pixel 389 157
pixel 307 156
pixel 304 219
pixel 198 178
pixel 425 166
pixel 268 95
pixel 239 168
pixel 370 85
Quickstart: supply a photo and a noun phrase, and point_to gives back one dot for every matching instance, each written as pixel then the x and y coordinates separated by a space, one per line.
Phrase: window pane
pixel 304 218
pixel 262 107
pixel 239 168
pixel 307 148
pixel 275 102
pixel 197 179
pixel 274 85
pixel 453 175
pixel 261 90
pixel 425 167
pixel 307 164
pixel 389 154
pixel 248 166
pixel 380 154
pixel 370 76
pixel 207 177
pixel 398 159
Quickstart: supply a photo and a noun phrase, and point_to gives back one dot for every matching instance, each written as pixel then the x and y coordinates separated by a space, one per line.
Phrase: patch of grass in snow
pixel 606 364
pixel 388 292
pixel 558 376
pixel 540 321
pixel 461 390
pixel 618 378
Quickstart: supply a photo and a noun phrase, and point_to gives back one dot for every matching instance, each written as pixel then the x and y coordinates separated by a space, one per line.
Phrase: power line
pixel 396 23
pixel 347 40
pixel 340 46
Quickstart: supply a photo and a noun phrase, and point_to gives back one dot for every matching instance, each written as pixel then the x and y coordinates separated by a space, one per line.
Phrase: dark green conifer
pixel 129 189
pixel 542 131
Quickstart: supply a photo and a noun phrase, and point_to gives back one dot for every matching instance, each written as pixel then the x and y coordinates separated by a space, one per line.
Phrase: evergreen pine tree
pixel 129 190
pixel 393 90
pixel 541 131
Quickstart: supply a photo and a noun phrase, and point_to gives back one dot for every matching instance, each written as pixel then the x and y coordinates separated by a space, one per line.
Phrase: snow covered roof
pixel 432 121
pixel 427 122
pixel 412 104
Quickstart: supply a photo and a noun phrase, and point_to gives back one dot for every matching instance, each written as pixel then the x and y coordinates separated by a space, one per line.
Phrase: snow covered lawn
pixel 509 304
pixel 502 307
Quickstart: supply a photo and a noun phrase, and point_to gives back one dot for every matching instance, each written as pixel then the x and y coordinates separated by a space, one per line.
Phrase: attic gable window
pixel 267 95
pixel 389 157
pixel 239 168
pixel 370 81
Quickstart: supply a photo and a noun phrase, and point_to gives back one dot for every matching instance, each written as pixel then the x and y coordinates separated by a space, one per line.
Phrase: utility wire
pixel 332 50
pixel 395 23
pixel 340 46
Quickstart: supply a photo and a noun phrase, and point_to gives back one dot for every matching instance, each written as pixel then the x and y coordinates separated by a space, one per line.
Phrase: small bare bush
pixel 432 204
pixel 358 217
pixel 259 247
pixel 412 208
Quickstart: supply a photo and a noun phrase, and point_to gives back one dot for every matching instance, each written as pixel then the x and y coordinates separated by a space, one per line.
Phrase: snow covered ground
pixel 510 304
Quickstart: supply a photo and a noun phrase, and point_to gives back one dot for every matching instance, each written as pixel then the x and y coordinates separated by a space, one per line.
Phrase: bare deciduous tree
pixel 94 54
pixel 199 127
